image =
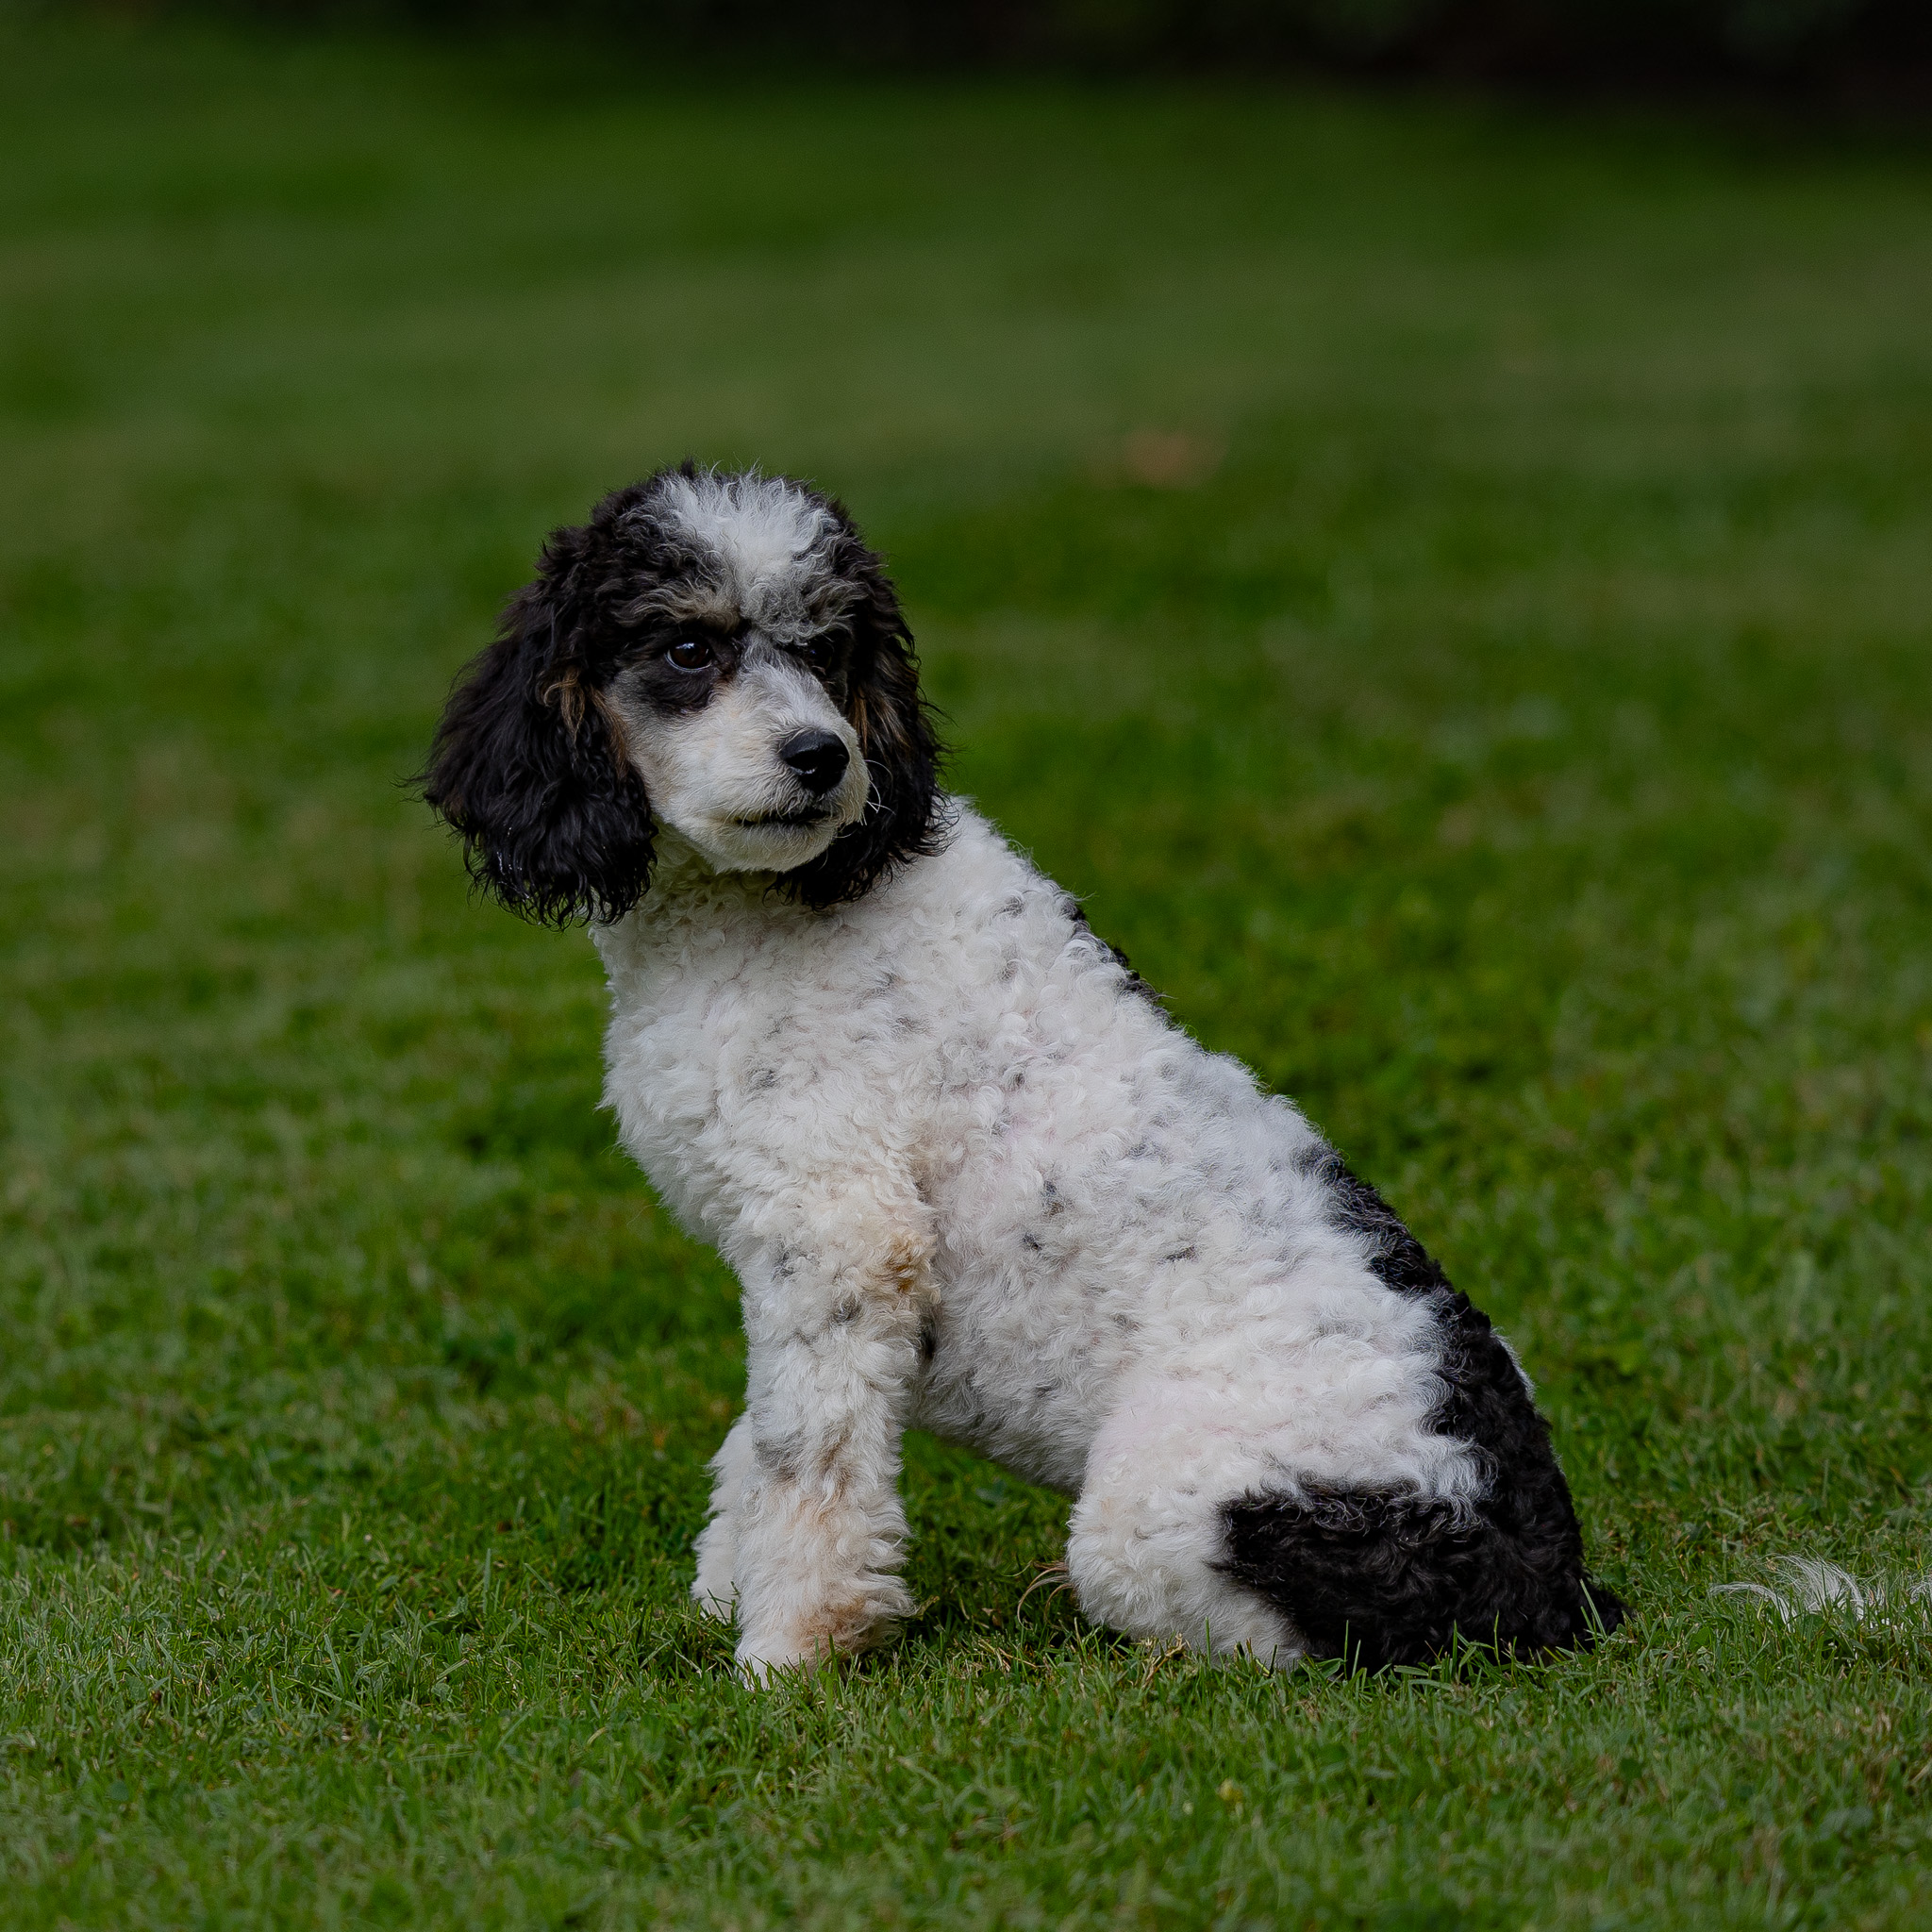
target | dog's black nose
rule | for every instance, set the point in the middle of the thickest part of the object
(819, 757)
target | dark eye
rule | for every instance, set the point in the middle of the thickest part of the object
(819, 653)
(690, 654)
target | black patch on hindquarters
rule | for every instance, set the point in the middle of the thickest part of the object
(1387, 1577)
(1382, 1578)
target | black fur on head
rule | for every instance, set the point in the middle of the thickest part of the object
(529, 762)
(879, 693)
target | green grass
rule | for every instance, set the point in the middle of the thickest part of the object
(1512, 736)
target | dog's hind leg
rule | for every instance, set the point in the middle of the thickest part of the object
(1198, 1522)
(1385, 1577)
(1147, 1546)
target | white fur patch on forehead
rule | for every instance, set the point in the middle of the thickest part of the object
(766, 544)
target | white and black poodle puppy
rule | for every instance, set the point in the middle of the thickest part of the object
(970, 1175)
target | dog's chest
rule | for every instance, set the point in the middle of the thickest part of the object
(745, 1052)
(1093, 1178)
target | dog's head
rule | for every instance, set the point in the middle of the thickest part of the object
(720, 652)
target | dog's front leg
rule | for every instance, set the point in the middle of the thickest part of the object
(834, 1313)
(715, 1585)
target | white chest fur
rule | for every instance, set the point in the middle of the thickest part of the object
(1099, 1193)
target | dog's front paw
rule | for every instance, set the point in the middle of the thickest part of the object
(855, 1622)
(759, 1663)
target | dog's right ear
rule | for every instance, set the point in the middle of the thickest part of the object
(527, 764)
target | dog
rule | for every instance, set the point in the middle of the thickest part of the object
(970, 1175)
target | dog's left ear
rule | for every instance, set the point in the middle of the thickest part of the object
(903, 818)
(527, 763)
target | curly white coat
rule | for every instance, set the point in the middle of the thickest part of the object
(973, 1179)
(970, 1175)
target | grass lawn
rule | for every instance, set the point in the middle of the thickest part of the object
(1448, 583)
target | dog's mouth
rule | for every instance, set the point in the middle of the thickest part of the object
(785, 821)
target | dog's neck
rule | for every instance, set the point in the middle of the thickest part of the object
(684, 884)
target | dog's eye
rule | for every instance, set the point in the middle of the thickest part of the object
(819, 653)
(690, 654)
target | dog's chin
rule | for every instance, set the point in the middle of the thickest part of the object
(775, 842)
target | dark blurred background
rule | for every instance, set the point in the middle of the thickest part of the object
(1877, 49)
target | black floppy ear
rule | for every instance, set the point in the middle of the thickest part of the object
(527, 764)
(905, 816)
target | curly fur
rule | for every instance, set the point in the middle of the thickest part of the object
(970, 1175)
(528, 763)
